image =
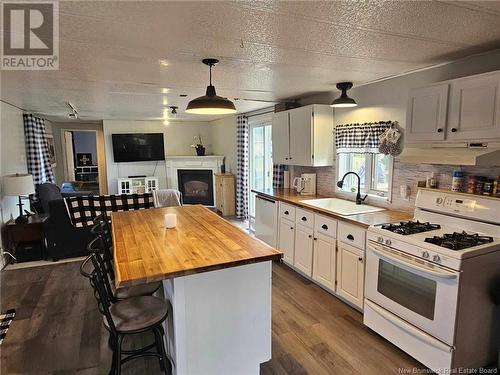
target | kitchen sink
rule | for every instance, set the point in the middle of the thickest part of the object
(341, 206)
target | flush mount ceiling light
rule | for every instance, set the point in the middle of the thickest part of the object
(210, 103)
(344, 101)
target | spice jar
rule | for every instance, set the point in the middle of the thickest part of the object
(488, 187)
(457, 181)
(479, 187)
(471, 184)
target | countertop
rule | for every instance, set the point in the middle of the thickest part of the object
(363, 220)
(145, 251)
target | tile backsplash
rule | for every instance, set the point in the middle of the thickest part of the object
(404, 174)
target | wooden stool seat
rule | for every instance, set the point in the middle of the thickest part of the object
(135, 291)
(137, 314)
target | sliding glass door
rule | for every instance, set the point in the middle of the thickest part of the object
(261, 162)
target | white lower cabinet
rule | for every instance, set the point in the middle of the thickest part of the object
(324, 261)
(350, 273)
(287, 240)
(303, 249)
(309, 245)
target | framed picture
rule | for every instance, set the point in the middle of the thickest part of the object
(52, 150)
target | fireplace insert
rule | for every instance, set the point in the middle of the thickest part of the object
(196, 186)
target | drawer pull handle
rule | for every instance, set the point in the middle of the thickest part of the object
(324, 226)
(315, 239)
(350, 237)
(304, 218)
(440, 130)
(291, 228)
(453, 130)
(310, 236)
(360, 259)
(286, 213)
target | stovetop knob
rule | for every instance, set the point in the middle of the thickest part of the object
(380, 239)
(388, 242)
(425, 254)
(436, 258)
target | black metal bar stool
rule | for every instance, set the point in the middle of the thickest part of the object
(128, 317)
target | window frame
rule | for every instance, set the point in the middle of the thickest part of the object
(373, 194)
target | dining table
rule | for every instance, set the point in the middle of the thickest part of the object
(216, 277)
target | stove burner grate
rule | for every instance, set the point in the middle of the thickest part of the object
(410, 227)
(459, 241)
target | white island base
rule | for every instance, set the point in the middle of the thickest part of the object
(220, 321)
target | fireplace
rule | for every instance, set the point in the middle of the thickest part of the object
(196, 186)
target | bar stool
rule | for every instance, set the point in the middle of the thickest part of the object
(98, 246)
(129, 317)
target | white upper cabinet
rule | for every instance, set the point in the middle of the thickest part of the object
(304, 136)
(281, 137)
(426, 113)
(460, 110)
(474, 108)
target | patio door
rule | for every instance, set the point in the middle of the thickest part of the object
(261, 163)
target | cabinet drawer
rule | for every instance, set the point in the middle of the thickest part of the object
(287, 211)
(325, 225)
(352, 235)
(305, 218)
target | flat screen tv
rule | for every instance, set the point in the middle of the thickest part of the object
(138, 147)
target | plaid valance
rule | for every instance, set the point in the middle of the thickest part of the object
(83, 210)
(360, 137)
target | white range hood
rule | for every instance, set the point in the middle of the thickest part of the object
(455, 155)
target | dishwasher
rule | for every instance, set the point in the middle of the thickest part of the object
(266, 220)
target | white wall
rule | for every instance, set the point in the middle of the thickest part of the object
(223, 134)
(178, 138)
(13, 154)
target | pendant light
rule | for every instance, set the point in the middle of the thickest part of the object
(210, 103)
(344, 101)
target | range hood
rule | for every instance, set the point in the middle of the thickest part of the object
(453, 155)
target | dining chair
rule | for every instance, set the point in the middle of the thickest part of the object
(127, 318)
(98, 245)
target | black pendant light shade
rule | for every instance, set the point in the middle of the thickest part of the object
(210, 103)
(344, 101)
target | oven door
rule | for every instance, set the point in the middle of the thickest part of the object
(422, 293)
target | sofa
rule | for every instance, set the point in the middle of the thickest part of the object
(63, 240)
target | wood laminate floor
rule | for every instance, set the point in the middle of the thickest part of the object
(58, 330)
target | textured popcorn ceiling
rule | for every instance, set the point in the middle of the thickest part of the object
(111, 51)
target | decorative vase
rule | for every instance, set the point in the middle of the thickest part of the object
(200, 150)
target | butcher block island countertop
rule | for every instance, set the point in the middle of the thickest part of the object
(363, 220)
(145, 251)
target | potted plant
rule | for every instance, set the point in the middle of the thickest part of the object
(198, 146)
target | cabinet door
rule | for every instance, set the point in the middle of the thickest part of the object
(301, 136)
(324, 260)
(281, 138)
(287, 240)
(303, 249)
(474, 108)
(350, 273)
(426, 113)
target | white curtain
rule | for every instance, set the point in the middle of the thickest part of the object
(242, 166)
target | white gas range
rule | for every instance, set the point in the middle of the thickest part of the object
(428, 281)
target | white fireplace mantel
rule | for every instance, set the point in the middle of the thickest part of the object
(208, 162)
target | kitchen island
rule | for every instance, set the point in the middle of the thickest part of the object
(216, 277)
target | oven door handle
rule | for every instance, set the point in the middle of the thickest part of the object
(415, 332)
(379, 250)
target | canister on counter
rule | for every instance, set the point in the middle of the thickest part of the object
(471, 184)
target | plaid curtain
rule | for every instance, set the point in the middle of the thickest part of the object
(361, 138)
(37, 150)
(242, 152)
(278, 176)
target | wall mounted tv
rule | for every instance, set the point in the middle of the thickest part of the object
(138, 147)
